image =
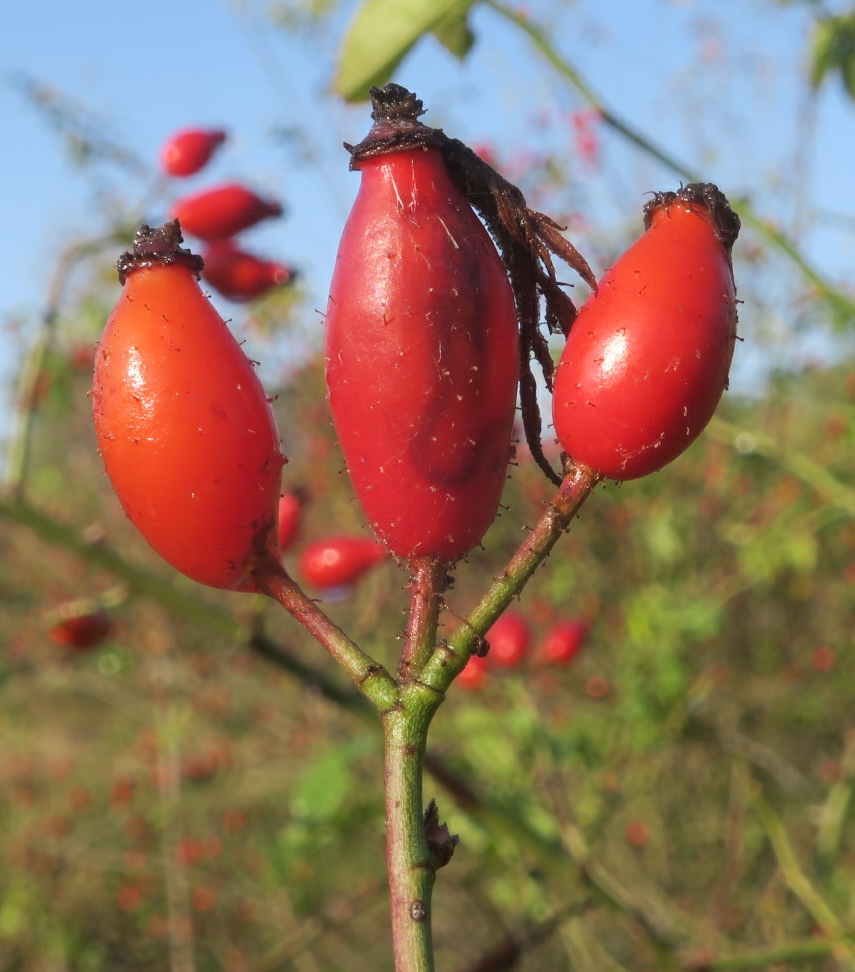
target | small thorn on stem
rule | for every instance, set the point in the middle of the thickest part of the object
(440, 842)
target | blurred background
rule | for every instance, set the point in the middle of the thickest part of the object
(186, 782)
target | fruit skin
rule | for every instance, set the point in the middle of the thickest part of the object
(223, 211)
(339, 560)
(82, 631)
(648, 356)
(239, 275)
(189, 150)
(422, 358)
(186, 432)
(509, 639)
(563, 642)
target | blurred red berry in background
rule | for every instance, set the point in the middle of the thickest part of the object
(189, 150)
(239, 275)
(336, 561)
(81, 631)
(473, 675)
(563, 642)
(290, 514)
(509, 639)
(224, 211)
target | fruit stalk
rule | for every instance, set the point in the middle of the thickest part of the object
(426, 587)
(370, 678)
(452, 655)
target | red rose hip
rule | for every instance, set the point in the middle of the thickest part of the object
(185, 429)
(422, 355)
(648, 356)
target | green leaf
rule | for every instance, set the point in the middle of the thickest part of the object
(324, 786)
(455, 35)
(847, 71)
(822, 50)
(382, 33)
(322, 790)
(833, 50)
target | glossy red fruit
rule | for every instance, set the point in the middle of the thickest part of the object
(563, 642)
(188, 151)
(648, 357)
(82, 631)
(185, 429)
(509, 639)
(339, 560)
(290, 515)
(224, 211)
(238, 275)
(473, 674)
(422, 356)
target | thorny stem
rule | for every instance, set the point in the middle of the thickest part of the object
(410, 863)
(578, 483)
(426, 589)
(407, 708)
(367, 675)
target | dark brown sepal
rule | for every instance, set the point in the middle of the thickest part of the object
(158, 248)
(396, 126)
(725, 223)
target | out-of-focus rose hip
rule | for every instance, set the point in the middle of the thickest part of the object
(223, 211)
(239, 275)
(189, 150)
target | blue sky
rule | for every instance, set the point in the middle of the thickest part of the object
(719, 84)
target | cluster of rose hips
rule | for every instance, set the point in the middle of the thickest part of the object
(217, 215)
(431, 333)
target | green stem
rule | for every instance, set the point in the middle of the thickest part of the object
(409, 865)
(368, 675)
(776, 956)
(797, 881)
(451, 657)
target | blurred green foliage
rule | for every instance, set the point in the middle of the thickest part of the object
(171, 796)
